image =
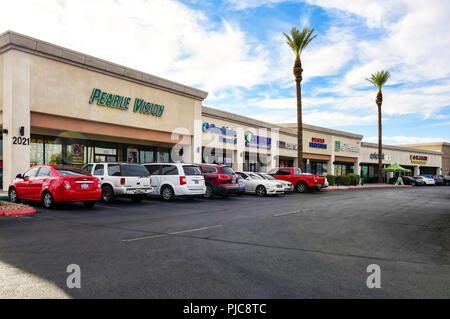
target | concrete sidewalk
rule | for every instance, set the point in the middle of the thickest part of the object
(366, 186)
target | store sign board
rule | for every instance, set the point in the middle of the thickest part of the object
(257, 141)
(346, 147)
(120, 102)
(418, 159)
(385, 157)
(286, 145)
(317, 143)
(227, 135)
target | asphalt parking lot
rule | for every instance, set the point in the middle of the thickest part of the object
(313, 245)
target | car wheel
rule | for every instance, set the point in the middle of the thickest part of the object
(12, 195)
(48, 200)
(107, 194)
(137, 199)
(89, 204)
(413, 183)
(167, 193)
(301, 187)
(261, 191)
(209, 191)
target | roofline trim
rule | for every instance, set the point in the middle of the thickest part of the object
(400, 148)
(10, 40)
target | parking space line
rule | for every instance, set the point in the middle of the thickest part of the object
(173, 233)
(285, 214)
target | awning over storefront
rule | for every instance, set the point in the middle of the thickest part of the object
(346, 159)
(316, 157)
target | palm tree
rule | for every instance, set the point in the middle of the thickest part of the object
(298, 41)
(379, 79)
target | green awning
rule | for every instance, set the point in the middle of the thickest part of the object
(396, 168)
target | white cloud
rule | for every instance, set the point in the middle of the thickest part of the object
(161, 37)
(245, 4)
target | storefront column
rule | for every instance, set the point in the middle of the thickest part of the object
(416, 171)
(197, 137)
(16, 114)
(331, 165)
(357, 167)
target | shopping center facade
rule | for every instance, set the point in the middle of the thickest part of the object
(62, 106)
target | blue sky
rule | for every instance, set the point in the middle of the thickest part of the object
(234, 49)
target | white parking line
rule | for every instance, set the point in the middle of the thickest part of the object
(284, 214)
(174, 233)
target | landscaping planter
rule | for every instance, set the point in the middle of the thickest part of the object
(8, 209)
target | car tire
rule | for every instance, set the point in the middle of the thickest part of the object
(261, 191)
(89, 204)
(167, 193)
(209, 191)
(413, 183)
(47, 200)
(301, 187)
(137, 198)
(107, 194)
(12, 195)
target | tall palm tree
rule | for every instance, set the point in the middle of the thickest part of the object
(298, 41)
(379, 79)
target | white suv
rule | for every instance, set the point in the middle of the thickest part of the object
(121, 180)
(176, 179)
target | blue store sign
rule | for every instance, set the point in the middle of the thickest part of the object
(227, 135)
(257, 141)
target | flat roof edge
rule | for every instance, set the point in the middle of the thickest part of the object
(247, 120)
(13, 40)
(401, 148)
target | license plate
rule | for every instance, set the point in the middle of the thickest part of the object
(139, 191)
(196, 182)
(84, 186)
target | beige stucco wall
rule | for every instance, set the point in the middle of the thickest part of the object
(400, 157)
(63, 89)
(1, 85)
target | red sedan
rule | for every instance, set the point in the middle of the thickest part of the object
(52, 184)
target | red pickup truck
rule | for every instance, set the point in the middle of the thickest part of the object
(302, 182)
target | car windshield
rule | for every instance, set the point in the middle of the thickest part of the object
(134, 170)
(71, 171)
(267, 176)
(191, 170)
(254, 176)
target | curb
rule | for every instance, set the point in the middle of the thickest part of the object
(366, 187)
(17, 213)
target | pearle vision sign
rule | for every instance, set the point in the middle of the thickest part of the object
(122, 103)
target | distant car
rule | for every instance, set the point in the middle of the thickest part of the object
(445, 179)
(219, 180)
(52, 184)
(427, 180)
(170, 180)
(409, 180)
(121, 180)
(302, 182)
(438, 179)
(260, 186)
(288, 187)
(241, 185)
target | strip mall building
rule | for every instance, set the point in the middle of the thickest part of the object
(62, 106)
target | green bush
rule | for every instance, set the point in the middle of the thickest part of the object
(331, 179)
(354, 179)
(344, 180)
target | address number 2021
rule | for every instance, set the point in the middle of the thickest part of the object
(21, 140)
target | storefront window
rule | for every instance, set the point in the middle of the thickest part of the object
(163, 155)
(37, 151)
(146, 156)
(53, 151)
(105, 152)
(74, 154)
(343, 169)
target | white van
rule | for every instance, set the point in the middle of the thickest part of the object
(170, 180)
(121, 180)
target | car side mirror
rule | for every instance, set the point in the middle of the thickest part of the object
(19, 176)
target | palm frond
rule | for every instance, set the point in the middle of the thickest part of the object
(379, 79)
(299, 40)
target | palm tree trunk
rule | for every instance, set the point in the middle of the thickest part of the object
(298, 79)
(380, 134)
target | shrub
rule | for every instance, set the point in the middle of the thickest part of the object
(331, 179)
(344, 180)
(354, 179)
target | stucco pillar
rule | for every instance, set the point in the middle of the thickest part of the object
(197, 137)
(240, 148)
(416, 170)
(16, 113)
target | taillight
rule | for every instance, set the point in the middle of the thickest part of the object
(67, 185)
(222, 176)
(182, 180)
(122, 181)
